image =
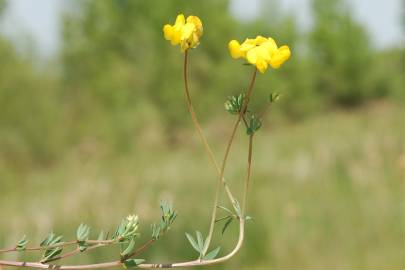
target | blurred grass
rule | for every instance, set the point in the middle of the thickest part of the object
(328, 192)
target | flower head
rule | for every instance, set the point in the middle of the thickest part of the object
(185, 32)
(260, 52)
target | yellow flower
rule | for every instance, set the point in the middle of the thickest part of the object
(260, 52)
(185, 32)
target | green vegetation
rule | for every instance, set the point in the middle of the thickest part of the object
(327, 191)
(103, 131)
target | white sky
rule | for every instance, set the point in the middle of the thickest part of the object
(40, 19)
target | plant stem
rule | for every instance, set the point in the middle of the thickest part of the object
(143, 265)
(198, 262)
(227, 151)
(200, 131)
(62, 244)
(249, 175)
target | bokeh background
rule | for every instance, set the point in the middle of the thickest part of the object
(93, 126)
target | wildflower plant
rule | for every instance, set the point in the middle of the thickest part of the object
(261, 53)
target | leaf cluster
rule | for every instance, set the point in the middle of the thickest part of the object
(168, 217)
(234, 104)
(53, 251)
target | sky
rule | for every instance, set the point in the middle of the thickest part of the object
(40, 19)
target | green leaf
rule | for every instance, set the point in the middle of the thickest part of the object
(132, 263)
(237, 208)
(21, 245)
(234, 104)
(200, 241)
(129, 248)
(47, 240)
(247, 218)
(50, 254)
(274, 97)
(156, 231)
(83, 232)
(101, 236)
(212, 254)
(226, 225)
(255, 124)
(50, 240)
(193, 242)
(225, 209)
(222, 218)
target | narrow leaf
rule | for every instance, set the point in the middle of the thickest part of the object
(200, 240)
(212, 254)
(225, 209)
(129, 248)
(101, 236)
(226, 225)
(192, 242)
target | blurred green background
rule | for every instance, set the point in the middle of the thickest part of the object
(101, 130)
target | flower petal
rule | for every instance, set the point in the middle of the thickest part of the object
(180, 20)
(280, 56)
(168, 31)
(234, 49)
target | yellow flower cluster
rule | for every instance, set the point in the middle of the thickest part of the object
(187, 33)
(260, 52)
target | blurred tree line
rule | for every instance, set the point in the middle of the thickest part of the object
(116, 82)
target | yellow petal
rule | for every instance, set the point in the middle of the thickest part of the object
(260, 39)
(168, 31)
(247, 45)
(234, 49)
(187, 31)
(261, 65)
(270, 45)
(197, 23)
(280, 56)
(252, 56)
(180, 20)
(176, 37)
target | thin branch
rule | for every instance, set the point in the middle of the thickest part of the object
(143, 265)
(249, 175)
(227, 151)
(200, 131)
(61, 244)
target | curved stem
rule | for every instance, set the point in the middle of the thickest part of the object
(200, 131)
(198, 262)
(143, 265)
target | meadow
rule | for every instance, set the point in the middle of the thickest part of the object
(327, 193)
